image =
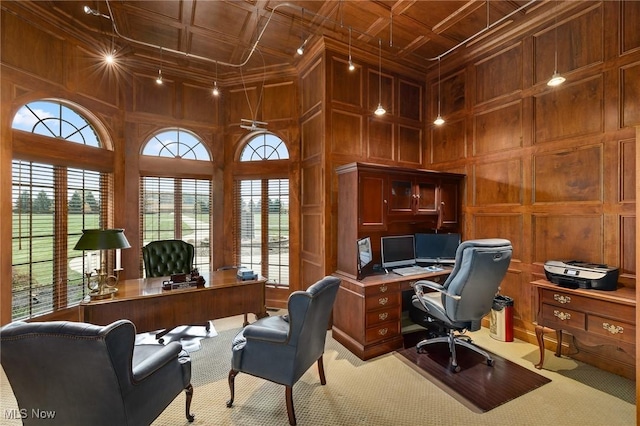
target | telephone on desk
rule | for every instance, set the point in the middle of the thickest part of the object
(192, 279)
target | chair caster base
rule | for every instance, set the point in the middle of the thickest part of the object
(455, 368)
(490, 362)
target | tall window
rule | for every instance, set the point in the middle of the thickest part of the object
(176, 207)
(262, 213)
(52, 204)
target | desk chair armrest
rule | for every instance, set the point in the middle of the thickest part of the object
(155, 361)
(419, 287)
(267, 334)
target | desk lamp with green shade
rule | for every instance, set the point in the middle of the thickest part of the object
(102, 285)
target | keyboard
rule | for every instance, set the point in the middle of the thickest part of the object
(410, 270)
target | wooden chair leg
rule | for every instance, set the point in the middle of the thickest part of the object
(232, 377)
(290, 411)
(323, 380)
(189, 391)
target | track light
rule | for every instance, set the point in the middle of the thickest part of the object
(439, 121)
(159, 77)
(380, 110)
(109, 57)
(300, 50)
(216, 91)
(90, 11)
(351, 66)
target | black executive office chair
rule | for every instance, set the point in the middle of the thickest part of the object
(163, 258)
(466, 296)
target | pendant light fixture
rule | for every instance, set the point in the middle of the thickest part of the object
(380, 110)
(159, 77)
(351, 66)
(216, 91)
(439, 121)
(556, 78)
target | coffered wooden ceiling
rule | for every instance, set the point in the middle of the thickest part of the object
(264, 34)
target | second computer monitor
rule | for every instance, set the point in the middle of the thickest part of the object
(397, 250)
(436, 248)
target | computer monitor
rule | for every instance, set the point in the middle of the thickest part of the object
(397, 250)
(436, 248)
(365, 254)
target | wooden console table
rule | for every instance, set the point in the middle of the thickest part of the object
(149, 307)
(367, 314)
(596, 317)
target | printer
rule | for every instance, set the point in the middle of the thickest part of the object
(576, 274)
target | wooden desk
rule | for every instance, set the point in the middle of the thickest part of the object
(149, 307)
(367, 314)
(596, 317)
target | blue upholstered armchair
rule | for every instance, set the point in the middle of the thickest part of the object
(282, 348)
(91, 375)
(465, 297)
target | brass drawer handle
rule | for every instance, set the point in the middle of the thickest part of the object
(383, 300)
(613, 329)
(562, 315)
(383, 316)
(562, 299)
(383, 331)
(383, 288)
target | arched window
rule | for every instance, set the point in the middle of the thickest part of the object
(262, 212)
(52, 204)
(177, 207)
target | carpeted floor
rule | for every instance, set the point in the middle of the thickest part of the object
(386, 391)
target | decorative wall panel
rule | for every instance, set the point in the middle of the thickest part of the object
(274, 106)
(410, 100)
(387, 83)
(92, 79)
(153, 99)
(199, 104)
(498, 183)
(630, 95)
(627, 161)
(630, 18)
(574, 175)
(410, 145)
(311, 238)
(346, 133)
(499, 75)
(449, 142)
(562, 237)
(628, 246)
(346, 86)
(495, 225)
(569, 110)
(381, 141)
(241, 104)
(498, 129)
(312, 131)
(312, 87)
(311, 191)
(452, 92)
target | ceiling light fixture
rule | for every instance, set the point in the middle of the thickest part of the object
(556, 78)
(300, 50)
(439, 121)
(216, 91)
(90, 11)
(380, 110)
(351, 66)
(159, 77)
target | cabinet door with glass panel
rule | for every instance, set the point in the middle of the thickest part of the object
(412, 195)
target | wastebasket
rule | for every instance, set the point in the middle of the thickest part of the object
(501, 322)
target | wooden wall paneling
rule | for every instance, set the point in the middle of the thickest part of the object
(499, 75)
(278, 102)
(312, 90)
(629, 18)
(498, 129)
(312, 133)
(386, 82)
(501, 225)
(199, 104)
(453, 94)
(346, 133)
(410, 100)
(410, 146)
(311, 174)
(381, 143)
(568, 236)
(627, 171)
(91, 77)
(448, 143)
(46, 49)
(241, 103)
(573, 109)
(627, 233)
(569, 175)
(346, 86)
(630, 79)
(149, 97)
(498, 183)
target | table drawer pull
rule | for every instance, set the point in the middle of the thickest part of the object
(562, 299)
(613, 329)
(383, 316)
(383, 300)
(562, 316)
(383, 331)
(383, 288)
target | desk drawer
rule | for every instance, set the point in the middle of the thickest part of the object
(382, 331)
(611, 328)
(614, 310)
(384, 300)
(391, 313)
(560, 317)
(383, 288)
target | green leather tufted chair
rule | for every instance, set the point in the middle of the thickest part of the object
(165, 257)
